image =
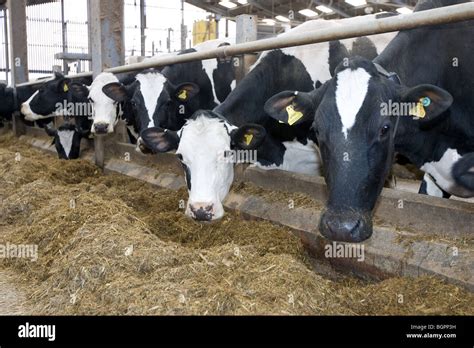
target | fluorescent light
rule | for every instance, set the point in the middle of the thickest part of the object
(268, 21)
(404, 10)
(324, 9)
(243, 2)
(282, 19)
(227, 4)
(356, 3)
(308, 13)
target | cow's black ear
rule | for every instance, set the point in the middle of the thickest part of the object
(79, 91)
(337, 53)
(159, 139)
(116, 91)
(186, 91)
(248, 137)
(428, 101)
(291, 107)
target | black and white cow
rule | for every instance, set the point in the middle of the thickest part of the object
(241, 123)
(61, 96)
(353, 118)
(164, 98)
(9, 102)
(67, 139)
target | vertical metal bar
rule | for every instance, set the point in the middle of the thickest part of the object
(7, 49)
(183, 28)
(246, 32)
(19, 52)
(64, 37)
(143, 27)
(108, 50)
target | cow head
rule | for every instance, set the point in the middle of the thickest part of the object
(355, 119)
(140, 100)
(67, 139)
(202, 145)
(43, 103)
(176, 103)
(105, 110)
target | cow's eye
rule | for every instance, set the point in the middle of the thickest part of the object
(384, 130)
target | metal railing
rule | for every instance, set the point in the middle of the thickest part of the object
(444, 15)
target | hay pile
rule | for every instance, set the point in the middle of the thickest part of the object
(115, 245)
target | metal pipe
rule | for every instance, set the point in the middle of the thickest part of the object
(7, 49)
(41, 81)
(64, 37)
(448, 14)
(143, 27)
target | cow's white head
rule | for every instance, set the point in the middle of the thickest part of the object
(105, 111)
(203, 145)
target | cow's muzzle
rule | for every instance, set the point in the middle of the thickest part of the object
(349, 227)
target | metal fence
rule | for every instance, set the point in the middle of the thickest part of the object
(52, 28)
(4, 59)
(49, 35)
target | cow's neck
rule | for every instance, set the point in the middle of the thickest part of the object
(407, 55)
(276, 72)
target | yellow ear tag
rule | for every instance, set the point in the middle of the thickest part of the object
(293, 115)
(183, 95)
(248, 138)
(65, 88)
(419, 110)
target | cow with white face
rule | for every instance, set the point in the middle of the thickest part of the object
(208, 168)
(241, 123)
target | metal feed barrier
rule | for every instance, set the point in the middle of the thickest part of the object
(385, 254)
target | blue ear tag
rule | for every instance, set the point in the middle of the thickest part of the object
(426, 101)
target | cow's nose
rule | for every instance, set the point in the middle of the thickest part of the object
(344, 227)
(101, 128)
(202, 211)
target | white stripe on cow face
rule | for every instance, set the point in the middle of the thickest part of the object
(65, 139)
(151, 86)
(351, 90)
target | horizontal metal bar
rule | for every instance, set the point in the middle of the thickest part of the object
(41, 81)
(448, 14)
